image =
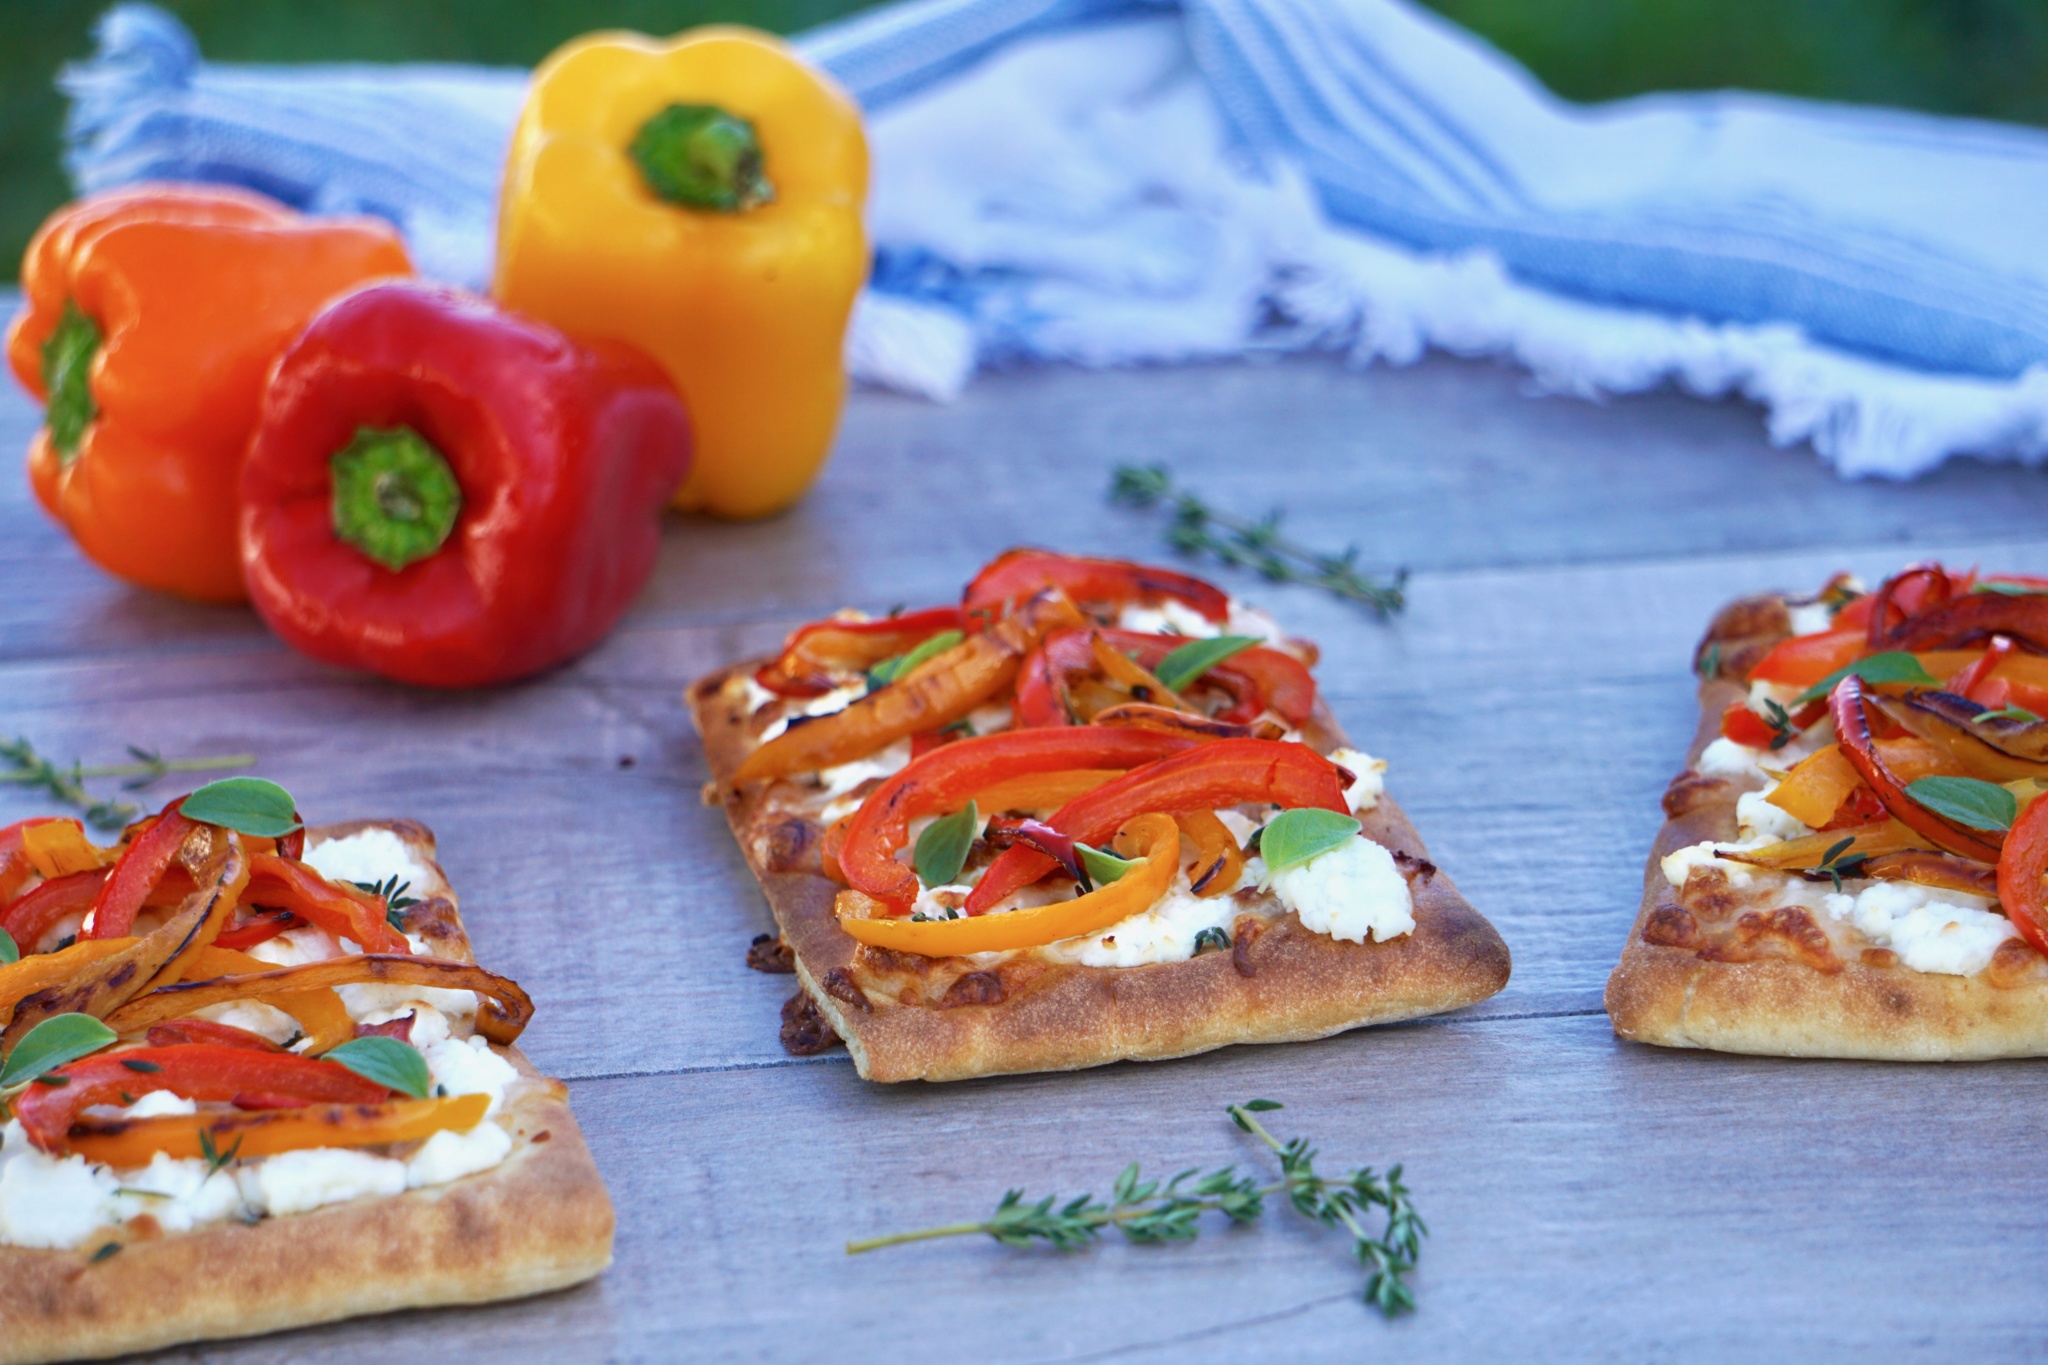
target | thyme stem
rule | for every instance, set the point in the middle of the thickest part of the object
(1155, 1211)
(67, 784)
(1240, 542)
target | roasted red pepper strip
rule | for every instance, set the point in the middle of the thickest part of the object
(1745, 726)
(1970, 619)
(261, 926)
(149, 855)
(284, 884)
(199, 1071)
(1972, 676)
(1852, 731)
(44, 907)
(1016, 574)
(948, 777)
(815, 656)
(1804, 660)
(451, 495)
(1256, 678)
(1208, 778)
(2021, 865)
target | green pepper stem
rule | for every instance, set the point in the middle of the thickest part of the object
(701, 157)
(67, 380)
(395, 498)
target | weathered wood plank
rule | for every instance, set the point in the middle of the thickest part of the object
(1588, 1200)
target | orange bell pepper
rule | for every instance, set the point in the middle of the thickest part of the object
(1153, 838)
(149, 321)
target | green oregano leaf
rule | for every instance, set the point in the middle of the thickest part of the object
(1197, 657)
(1103, 868)
(388, 1062)
(8, 951)
(1892, 666)
(1293, 837)
(942, 848)
(1967, 801)
(57, 1040)
(2019, 713)
(248, 805)
(2010, 589)
(896, 666)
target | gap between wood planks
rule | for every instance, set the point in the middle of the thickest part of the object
(838, 1056)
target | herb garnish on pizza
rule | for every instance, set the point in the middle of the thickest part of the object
(1097, 811)
(1853, 861)
(254, 1079)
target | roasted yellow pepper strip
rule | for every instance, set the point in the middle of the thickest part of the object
(1153, 838)
(699, 198)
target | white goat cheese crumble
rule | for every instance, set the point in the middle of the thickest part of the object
(1352, 891)
(1931, 929)
(1365, 793)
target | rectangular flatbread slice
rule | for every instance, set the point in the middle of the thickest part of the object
(906, 1017)
(537, 1220)
(1748, 959)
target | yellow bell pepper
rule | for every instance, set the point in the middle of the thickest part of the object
(700, 199)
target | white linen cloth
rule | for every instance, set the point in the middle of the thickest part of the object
(1115, 182)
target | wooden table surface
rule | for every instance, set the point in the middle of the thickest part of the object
(1587, 1198)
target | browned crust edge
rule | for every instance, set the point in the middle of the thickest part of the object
(540, 1221)
(1776, 1007)
(1302, 985)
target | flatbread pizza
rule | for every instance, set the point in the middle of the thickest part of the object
(1097, 811)
(1853, 857)
(256, 1082)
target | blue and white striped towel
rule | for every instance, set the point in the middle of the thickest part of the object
(1139, 181)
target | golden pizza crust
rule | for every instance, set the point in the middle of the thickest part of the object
(1780, 1007)
(539, 1221)
(1286, 984)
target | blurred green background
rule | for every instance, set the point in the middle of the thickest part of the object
(1981, 57)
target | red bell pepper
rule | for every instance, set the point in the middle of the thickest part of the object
(1256, 678)
(182, 1032)
(1852, 732)
(1016, 574)
(142, 865)
(815, 654)
(451, 495)
(948, 777)
(284, 884)
(1969, 680)
(1225, 773)
(2021, 865)
(1804, 660)
(198, 1071)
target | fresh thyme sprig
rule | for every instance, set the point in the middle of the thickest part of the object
(30, 769)
(1199, 529)
(1834, 866)
(392, 892)
(1152, 1211)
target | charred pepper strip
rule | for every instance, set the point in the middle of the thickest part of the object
(1017, 574)
(1852, 731)
(1256, 678)
(1215, 775)
(947, 778)
(199, 1071)
(42, 908)
(287, 1130)
(2021, 865)
(503, 1008)
(937, 692)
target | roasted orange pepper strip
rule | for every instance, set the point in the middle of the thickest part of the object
(318, 1011)
(59, 848)
(1219, 862)
(1816, 787)
(1154, 839)
(20, 980)
(281, 1130)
